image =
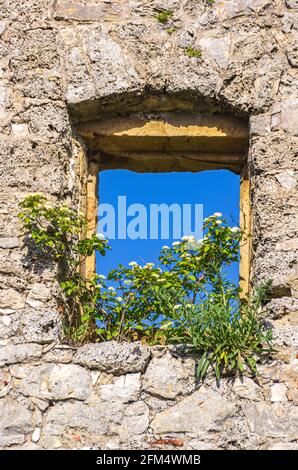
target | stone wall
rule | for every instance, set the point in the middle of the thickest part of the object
(66, 62)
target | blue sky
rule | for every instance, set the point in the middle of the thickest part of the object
(217, 190)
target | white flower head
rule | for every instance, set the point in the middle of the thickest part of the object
(133, 263)
(149, 265)
(119, 299)
(187, 238)
(217, 214)
(235, 229)
(175, 243)
(218, 222)
(101, 276)
(194, 244)
(111, 288)
(177, 306)
(101, 236)
(165, 247)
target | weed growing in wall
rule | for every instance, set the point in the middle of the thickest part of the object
(193, 52)
(164, 16)
(185, 298)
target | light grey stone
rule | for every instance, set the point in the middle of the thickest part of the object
(233, 8)
(217, 48)
(56, 382)
(168, 377)
(16, 353)
(41, 326)
(247, 388)
(287, 179)
(125, 388)
(278, 420)
(42, 405)
(286, 118)
(20, 131)
(278, 393)
(97, 418)
(113, 357)
(259, 125)
(203, 411)
(12, 299)
(283, 446)
(6, 320)
(8, 243)
(2, 27)
(38, 295)
(36, 435)
(15, 422)
(136, 420)
(58, 354)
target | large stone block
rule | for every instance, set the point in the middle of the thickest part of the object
(280, 421)
(15, 422)
(203, 411)
(125, 389)
(168, 377)
(55, 382)
(113, 357)
(97, 418)
(12, 299)
(19, 353)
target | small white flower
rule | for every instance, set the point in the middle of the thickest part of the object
(187, 238)
(218, 222)
(177, 306)
(165, 247)
(235, 229)
(99, 286)
(101, 276)
(101, 236)
(111, 288)
(149, 265)
(119, 299)
(217, 214)
(175, 243)
(132, 263)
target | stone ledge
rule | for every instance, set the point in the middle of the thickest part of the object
(112, 357)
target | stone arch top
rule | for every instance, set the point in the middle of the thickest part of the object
(119, 60)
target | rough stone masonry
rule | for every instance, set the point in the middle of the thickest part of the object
(65, 62)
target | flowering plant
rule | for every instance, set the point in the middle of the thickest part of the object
(185, 298)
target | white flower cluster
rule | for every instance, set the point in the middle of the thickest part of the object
(101, 236)
(133, 264)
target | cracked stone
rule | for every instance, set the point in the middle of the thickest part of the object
(203, 411)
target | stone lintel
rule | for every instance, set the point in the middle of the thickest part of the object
(167, 132)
